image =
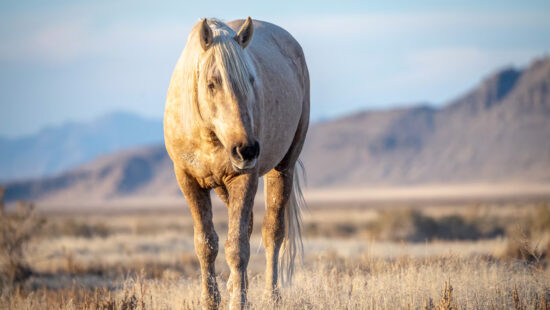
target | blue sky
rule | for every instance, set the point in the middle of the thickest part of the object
(75, 60)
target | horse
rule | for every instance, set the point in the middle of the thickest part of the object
(237, 109)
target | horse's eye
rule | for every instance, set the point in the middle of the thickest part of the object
(211, 86)
(213, 138)
(252, 79)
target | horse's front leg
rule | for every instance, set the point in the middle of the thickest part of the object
(241, 190)
(205, 237)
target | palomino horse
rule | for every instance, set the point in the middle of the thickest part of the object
(237, 109)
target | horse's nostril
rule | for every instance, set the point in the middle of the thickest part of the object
(246, 152)
(235, 152)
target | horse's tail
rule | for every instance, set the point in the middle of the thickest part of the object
(292, 243)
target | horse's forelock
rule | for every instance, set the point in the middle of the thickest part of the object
(230, 59)
(227, 57)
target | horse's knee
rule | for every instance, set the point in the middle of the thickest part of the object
(237, 253)
(206, 245)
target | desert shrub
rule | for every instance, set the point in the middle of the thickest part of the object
(403, 225)
(345, 229)
(311, 229)
(489, 227)
(525, 246)
(413, 226)
(75, 228)
(529, 239)
(539, 222)
(151, 228)
(456, 227)
(16, 230)
(525, 250)
(332, 230)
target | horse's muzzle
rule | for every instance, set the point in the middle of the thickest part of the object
(243, 156)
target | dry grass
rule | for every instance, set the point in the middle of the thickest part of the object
(330, 282)
(445, 257)
(16, 230)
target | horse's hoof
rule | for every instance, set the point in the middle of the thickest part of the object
(211, 301)
(210, 304)
(272, 295)
(238, 302)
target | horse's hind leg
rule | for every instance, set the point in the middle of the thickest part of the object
(278, 188)
(205, 237)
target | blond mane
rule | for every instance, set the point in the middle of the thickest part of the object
(227, 56)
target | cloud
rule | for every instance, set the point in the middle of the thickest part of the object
(68, 41)
(372, 25)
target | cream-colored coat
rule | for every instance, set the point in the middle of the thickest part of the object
(214, 112)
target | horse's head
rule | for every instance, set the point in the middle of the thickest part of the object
(226, 90)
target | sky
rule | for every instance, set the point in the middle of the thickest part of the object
(77, 60)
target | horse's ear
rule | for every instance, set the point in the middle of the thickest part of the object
(205, 35)
(244, 36)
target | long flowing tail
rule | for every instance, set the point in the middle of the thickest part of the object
(292, 244)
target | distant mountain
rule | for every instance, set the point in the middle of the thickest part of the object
(55, 149)
(146, 170)
(497, 132)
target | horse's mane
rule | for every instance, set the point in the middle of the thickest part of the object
(226, 55)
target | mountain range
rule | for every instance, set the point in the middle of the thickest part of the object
(56, 149)
(498, 132)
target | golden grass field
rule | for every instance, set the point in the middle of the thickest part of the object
(400, 255)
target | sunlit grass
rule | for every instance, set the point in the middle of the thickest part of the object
(373, 260)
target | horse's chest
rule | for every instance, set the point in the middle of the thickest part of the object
(209, 169)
